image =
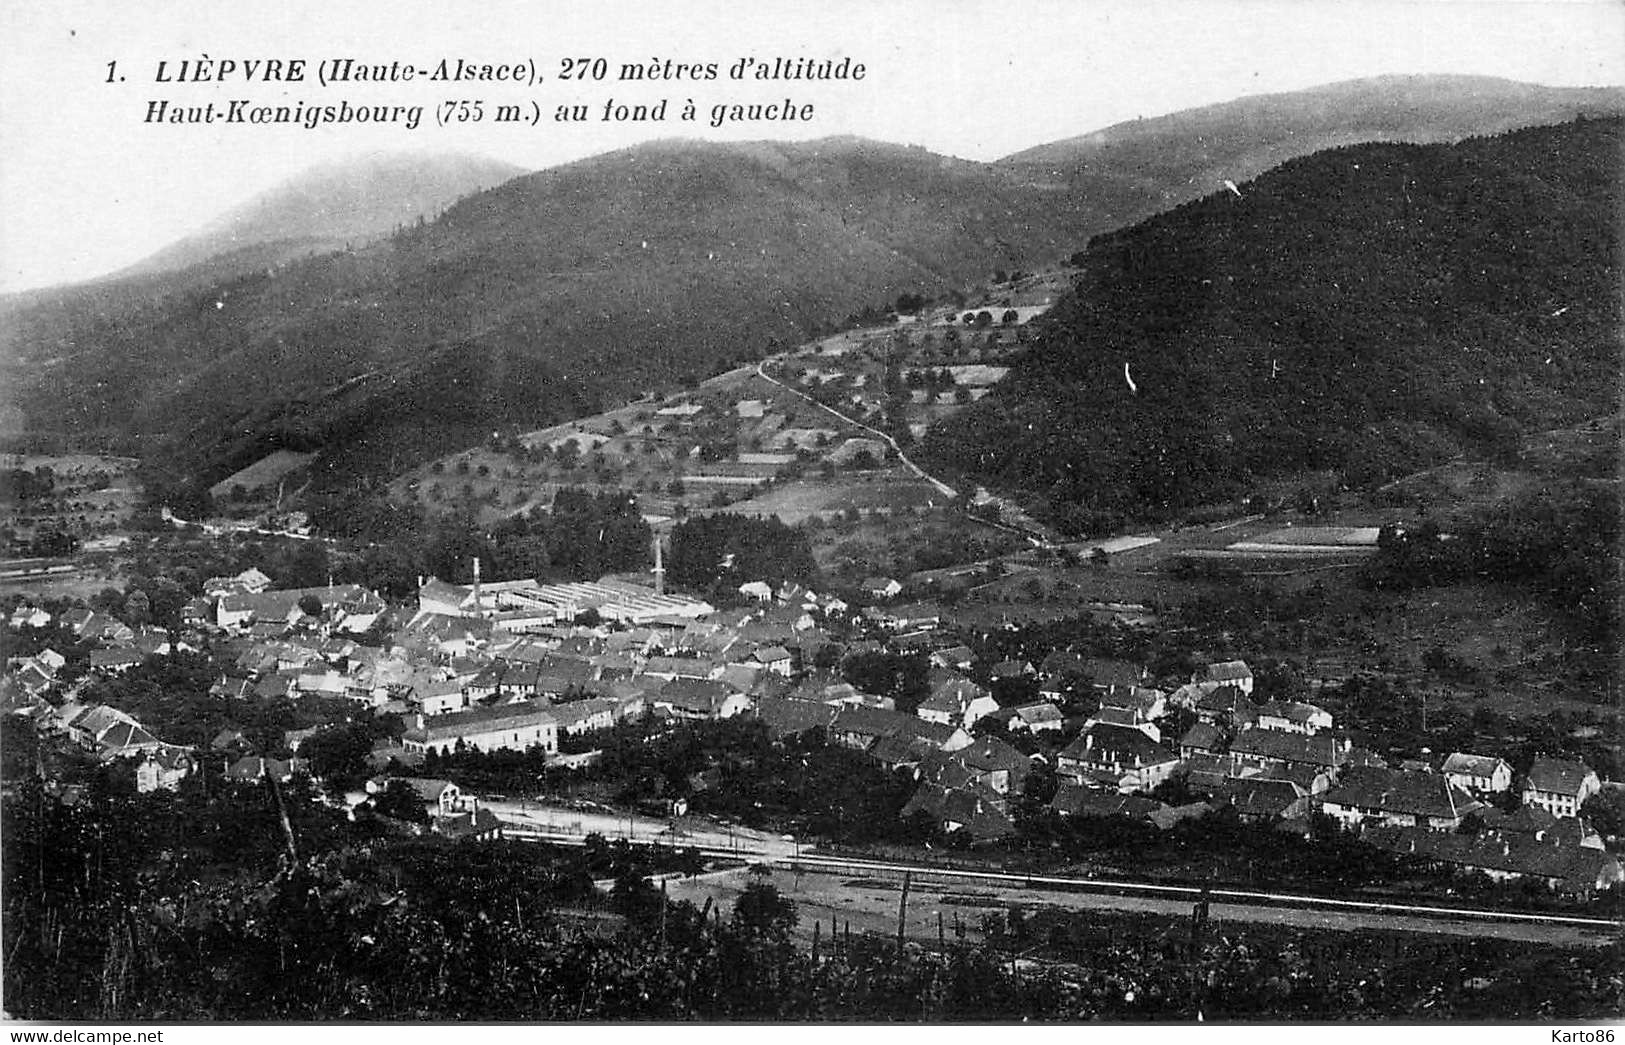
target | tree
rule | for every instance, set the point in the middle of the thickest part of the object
(398, 801)
(762, 911)
(137, 608)
(310, 605)
(338, 755)
(1606, 811)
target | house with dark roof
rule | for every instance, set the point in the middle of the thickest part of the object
(513, 727)
(986, 761)
(976, 811)
(1261, 800)
(439, 797)
(1535, 824)
(1262, 747)
(345, 607)
(585, 716)
(163, 769)
(788, 717)
(880, 587)
(957, 702)
(1202, 739)
(1225, 706)
(1558, 786)
(681, 668)
(88, 725)
(1395, 798)
(1077, 800)
(1107, 675)
(127, 740)
(1229, 672)
(687, 698)
(1113, 716)
(860, 727)
(913, 616)
(909, 751)
(476, 825)
(1292, 716)
(773, 658)
(1483, 774)
(1116, 757)
(1038, 717)
(1569, 869)
(115, 661)
(1142, 703)
(33, 677)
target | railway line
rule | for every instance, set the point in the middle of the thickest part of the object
(1265, 905)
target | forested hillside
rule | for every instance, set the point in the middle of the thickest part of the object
(557, 292)
(533, 302)
(1369, 309)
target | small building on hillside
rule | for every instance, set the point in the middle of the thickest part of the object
(1229, 672)
(881, 587)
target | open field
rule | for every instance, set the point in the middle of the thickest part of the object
(270, 469)
(795, 502)
(91, 494)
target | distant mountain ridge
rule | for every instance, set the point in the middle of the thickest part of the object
(1139, 167)
(335, 204)
(556, 292)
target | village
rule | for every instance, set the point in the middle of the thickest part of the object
(550, 668)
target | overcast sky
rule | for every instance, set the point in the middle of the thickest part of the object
(87, 188)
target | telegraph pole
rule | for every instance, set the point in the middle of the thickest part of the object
(902, 909)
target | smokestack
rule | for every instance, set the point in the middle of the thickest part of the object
(478, 610)
(660, 569)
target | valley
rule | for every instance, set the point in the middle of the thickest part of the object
(567, 603)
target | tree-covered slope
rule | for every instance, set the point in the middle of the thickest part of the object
(535, 301)
(1366, 309)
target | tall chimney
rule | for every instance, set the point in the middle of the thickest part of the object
(478, 609)
(660, 569)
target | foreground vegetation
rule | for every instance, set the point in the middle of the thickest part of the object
(201, 906)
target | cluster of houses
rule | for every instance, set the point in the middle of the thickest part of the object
(1274, 762)
(466, 673)
(108, 734)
